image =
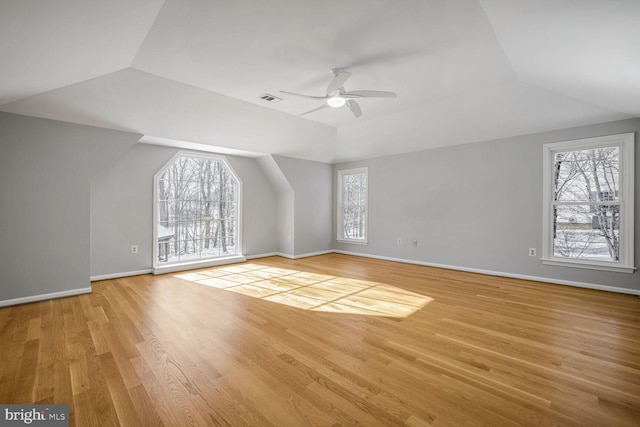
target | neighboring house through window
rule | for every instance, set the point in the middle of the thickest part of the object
(588, 203)
(352, 213)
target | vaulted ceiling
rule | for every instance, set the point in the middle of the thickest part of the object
(194, 70)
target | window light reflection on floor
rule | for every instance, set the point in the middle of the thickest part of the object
(311, 291)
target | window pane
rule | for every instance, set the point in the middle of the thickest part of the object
(210, 251)
(354, 189)
(587, 175)
(354, 222)
(196, 211)
(587, 232)
(353, 202)
(188, 210)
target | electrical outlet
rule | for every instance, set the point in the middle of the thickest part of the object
(134, 249)
(398, 241)
(532, 251)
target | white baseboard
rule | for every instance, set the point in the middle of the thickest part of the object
(73, 292)
(263, 255)
(119, 275)
(501, 274)
(283, 255)
(200, 264)
(314, 254)
(289, 256)
(182, 267)
(42, 297)
(310, 254)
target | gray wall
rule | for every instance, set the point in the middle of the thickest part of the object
(286, 223)
(285, 226)
(75, 198)
(122, 210)
(312, 184)
(259, 208)
(45, 172)
(476, 206)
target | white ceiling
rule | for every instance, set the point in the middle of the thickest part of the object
(193, 70)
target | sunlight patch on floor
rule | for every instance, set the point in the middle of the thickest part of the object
(311, 291)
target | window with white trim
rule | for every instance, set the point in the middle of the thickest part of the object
(588, 203)
(353, 187)
(196, 210)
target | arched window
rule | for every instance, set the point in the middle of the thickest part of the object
(196, 210)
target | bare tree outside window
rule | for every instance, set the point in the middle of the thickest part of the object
(352, 209)
(355, 190)
(586, 208)
(197, 210)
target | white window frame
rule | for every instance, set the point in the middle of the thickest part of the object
(625, 142)
(161, 268)
(340, 222)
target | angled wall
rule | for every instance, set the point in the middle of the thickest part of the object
(45, 172)
(312, 188)
(285, 226)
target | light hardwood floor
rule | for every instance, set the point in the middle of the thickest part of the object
(328, 340)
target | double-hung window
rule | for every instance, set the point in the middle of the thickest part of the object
(588, 203)
(353, 217)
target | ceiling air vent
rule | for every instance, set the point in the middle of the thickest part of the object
(270, 98)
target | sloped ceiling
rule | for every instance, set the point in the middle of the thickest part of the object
(193, 70)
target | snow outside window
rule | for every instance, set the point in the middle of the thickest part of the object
(588, 203)
(196, 210)
(353, 189)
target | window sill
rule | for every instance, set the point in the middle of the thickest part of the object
(192, 265)
(588, 265)
(352, 242)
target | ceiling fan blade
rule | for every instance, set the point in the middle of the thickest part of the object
(354, 107)
(323, 106)
(369, 94)
(338, 81)
(304, 96)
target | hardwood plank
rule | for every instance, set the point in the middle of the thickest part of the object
(124, 406)
(327, 340)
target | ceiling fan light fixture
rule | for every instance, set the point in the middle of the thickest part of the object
(337, 97)
(336, 101)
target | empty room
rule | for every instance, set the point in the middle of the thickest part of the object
(336, 213)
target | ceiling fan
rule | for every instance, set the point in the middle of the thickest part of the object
(337, 97)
